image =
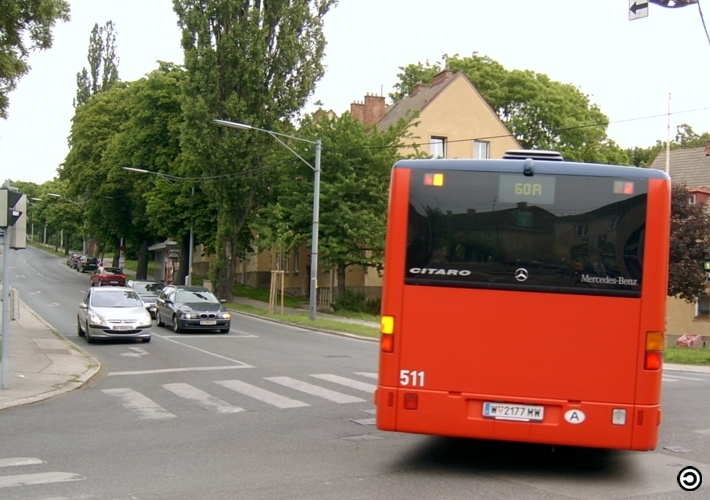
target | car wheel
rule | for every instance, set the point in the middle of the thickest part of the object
(89, 339)
(158, 321)
(79, 331)
(176, 326)
(224, 330)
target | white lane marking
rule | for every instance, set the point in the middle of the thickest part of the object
(145, 408)
(347, 382)
(177, 370)
(201, 398)
(665, 379)
(676, 377)
(314, 390)
(261, 394)
(12, 462)
(45, 478)
(367, 374)
(706, 432)
(239, 335)
(169, 339)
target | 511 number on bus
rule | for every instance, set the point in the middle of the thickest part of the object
(411, 378)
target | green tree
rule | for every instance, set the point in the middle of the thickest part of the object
(539, 112)
(690, 235)
(249, 62)
(107, 212)
(148, 140)
(25, 25)
(103, 64)
(355, 169)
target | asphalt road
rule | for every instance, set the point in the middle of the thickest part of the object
(272, 411)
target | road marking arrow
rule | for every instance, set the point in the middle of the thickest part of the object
(139, 352)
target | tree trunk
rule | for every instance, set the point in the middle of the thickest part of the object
(142, 269)
(226, 272)
(341, 280)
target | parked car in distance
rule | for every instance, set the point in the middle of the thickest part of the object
(70, 259)
(108, 276)
(191, 308)
(113, 312)
(148, 291)
(87, 264)
(74, 260)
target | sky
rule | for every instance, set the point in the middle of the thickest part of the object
(635, 71)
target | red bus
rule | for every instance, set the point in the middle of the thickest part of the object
(524, 300)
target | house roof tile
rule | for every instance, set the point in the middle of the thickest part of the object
(687, 166)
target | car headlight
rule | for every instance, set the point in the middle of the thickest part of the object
(95, 319)
(189, 315)
(224, 315)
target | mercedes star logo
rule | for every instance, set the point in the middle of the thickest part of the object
(521, 274)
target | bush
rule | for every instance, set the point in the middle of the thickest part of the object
(355, 302)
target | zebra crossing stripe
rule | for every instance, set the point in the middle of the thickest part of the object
(137, 402)
(261, 394)
(201, 398)
(15, 462)
(314, 390)
(44, 478)
(347, 382)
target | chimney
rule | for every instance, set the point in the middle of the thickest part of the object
(707, 148)
(374, 109)
(418, 87)
(441, 76)
(357, 109)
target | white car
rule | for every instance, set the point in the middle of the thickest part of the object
(114, 312)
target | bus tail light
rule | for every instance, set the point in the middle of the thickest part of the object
(387, 331)
(411, 401)
(654, 351)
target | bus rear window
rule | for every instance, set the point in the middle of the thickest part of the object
(549, 233)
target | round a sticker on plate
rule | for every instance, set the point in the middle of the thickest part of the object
(574, 416)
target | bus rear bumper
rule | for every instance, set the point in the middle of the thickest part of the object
(565, 423)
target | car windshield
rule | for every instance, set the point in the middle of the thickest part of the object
(116, 298)
(187, 296)
(113, 270)
(148, 287)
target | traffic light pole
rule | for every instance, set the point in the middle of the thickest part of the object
(5, 310)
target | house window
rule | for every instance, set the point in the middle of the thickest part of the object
(702, 307)
(295, 261)
(692, 199)
(581, 230)
(438, 147)
(481, 149)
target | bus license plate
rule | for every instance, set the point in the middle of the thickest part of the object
(208, 322)
(504, 411)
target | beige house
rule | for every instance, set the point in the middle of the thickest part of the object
(692, 168)
(449, 119)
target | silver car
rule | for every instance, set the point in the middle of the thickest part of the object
(114, 312)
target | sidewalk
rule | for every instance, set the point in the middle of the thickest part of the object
(44, 363)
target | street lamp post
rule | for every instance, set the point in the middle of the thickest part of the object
(173, 178)
(316, 199)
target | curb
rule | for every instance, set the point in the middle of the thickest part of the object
(94, 366)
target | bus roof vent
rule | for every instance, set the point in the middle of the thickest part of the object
(523, 154)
